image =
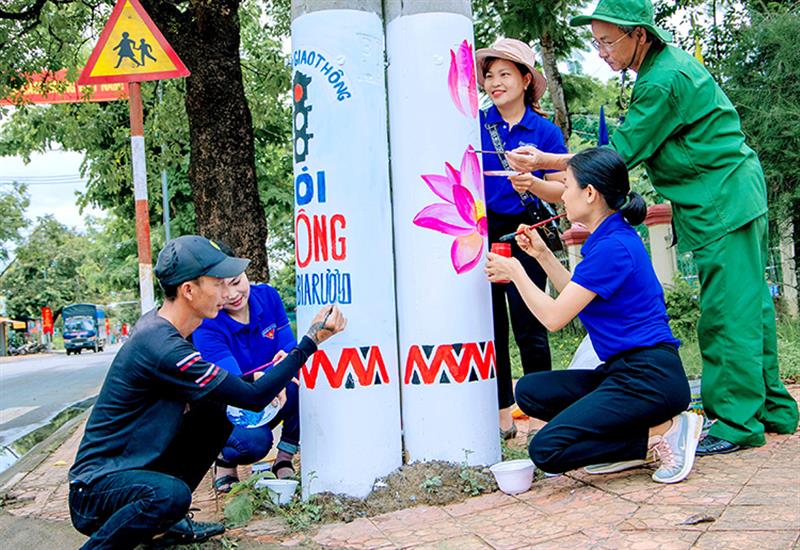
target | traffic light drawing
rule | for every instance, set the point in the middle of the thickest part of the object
(301, 110)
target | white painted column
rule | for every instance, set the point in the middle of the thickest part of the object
(659, 225)
(788, 267)
(447, 356)
(574, 237)
(349, 396)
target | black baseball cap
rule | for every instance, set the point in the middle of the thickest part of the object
(192, 256)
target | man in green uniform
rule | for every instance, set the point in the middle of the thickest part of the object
(687, 133)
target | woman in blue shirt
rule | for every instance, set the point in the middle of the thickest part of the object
(611, 418)
(507, 75)
(252, 330)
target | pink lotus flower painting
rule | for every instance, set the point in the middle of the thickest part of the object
(463, 214)
(461, 80)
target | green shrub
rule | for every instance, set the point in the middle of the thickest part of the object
(683, 307)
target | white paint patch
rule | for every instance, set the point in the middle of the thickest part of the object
(139, 168)
(146, 294)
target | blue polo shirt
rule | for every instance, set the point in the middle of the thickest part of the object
(628, 311)
(533, 129)
(239, 348)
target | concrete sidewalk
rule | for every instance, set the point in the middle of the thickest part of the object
(749, 499)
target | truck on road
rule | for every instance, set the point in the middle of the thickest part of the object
(84, 327)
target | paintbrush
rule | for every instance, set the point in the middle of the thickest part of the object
(510, 236)
(501, 153)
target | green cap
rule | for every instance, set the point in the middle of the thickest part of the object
(625, 13)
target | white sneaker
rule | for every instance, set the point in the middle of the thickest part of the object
(612, 467)
(675, 449)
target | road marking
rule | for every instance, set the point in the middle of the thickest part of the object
(9, 414)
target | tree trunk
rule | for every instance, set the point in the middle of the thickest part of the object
(222, 163)
(555, 85)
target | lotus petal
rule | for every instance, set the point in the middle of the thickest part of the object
(471, 176)
(441, 185)
(466, 251)
(453, 84)
(443, 218)
(465, 204)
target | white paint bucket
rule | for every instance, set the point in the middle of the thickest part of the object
(514, 476)
(280, 490)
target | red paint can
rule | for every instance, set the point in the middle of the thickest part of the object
(502, 249)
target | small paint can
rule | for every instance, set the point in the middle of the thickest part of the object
(502, 249)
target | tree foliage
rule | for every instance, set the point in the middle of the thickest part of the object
(13, 202)
(762, 78)
(56, 265)
(220, 158)
(545, 23)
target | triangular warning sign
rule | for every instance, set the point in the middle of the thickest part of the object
(131, 49)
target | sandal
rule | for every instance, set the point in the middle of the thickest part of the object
(223, 484)
(510, 433)
(281, 464)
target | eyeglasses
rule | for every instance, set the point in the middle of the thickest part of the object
(607, 45)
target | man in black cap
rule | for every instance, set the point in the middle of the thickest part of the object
(159, 420)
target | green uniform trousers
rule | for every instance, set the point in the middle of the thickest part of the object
(741, 385)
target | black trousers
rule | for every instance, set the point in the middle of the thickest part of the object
(603, 415)
(530, 335)
(124, 509)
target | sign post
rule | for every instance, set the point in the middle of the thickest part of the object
(131, 49)
(47, 325)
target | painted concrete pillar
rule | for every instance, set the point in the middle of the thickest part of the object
(447, 357)
(350, 395)
(788, 268)
(574, 237)
(659, 225)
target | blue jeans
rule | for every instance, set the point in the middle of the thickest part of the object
(248, 445)
(123, 509)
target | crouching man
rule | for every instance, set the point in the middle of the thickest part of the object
(159, 421)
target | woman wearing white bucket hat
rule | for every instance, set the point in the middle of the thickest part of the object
(508, 75)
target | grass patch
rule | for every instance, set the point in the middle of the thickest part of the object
(564, 343)
(29, 441)
(789, 350)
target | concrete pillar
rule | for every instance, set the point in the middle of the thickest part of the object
(350, 388)
(659, 226)
(788, 267)
(574, 237)
(447, 357)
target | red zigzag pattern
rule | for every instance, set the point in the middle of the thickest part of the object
(458, 358)
(350, 359)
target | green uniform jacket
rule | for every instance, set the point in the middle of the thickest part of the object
(684, 129)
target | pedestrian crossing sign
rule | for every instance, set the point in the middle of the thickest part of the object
(131, 49)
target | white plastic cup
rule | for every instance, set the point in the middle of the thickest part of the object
(514, 476)
(280, 490)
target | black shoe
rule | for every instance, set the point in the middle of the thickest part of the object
(712, 445)
(188, 531)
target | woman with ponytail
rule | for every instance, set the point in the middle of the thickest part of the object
(631, 409)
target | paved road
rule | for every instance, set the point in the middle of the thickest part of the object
(34, 389)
